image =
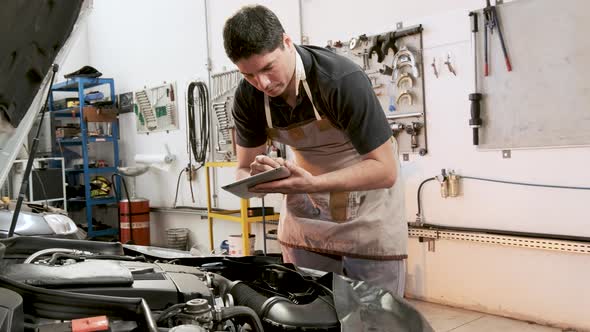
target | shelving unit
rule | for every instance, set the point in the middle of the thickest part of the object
(240, 216)
(79, 85)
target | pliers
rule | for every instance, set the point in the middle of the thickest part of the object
(492, 21)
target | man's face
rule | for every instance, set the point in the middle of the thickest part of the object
(270, 72)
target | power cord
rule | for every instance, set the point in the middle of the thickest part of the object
(199, 148)
(419, 213)
(177, 187)
(525, 183)
(118, 196)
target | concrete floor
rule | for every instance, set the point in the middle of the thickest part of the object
(443, 319)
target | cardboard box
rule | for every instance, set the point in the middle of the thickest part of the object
(64, 132)
(94, 114)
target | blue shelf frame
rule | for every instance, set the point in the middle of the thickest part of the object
(79, 85)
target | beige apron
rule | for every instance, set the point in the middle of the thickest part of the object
(363, 224)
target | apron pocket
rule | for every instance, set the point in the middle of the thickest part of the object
(339, 206)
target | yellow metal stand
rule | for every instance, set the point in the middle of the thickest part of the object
(240, 215)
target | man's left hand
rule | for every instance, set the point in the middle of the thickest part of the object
(300, 181)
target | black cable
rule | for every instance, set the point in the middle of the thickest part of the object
(25, 181)
(177, 186)
(199, 148)
(263, 226)
(118, 196)
(419, 214)
(169, 312)
(525, 183)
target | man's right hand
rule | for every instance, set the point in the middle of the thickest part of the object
(264, 163)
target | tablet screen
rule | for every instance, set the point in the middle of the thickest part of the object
(240, 187)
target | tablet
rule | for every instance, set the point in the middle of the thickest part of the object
(240, 188)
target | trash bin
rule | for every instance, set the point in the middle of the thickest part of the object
(177, 238)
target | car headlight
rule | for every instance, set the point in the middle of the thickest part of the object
(60, 224)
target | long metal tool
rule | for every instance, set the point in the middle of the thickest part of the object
(491, 21)
(475, 98)
(497, 24)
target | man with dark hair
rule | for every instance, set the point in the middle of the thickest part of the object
(344, 206)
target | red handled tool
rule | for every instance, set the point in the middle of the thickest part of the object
(492, 21)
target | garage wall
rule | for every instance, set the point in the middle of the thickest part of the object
(528, 284)
(144, 43)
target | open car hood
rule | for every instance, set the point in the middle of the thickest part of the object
(34, 36)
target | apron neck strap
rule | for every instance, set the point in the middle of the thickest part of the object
(307, 91)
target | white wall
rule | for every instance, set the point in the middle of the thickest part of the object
(529, 284)
(144, 43)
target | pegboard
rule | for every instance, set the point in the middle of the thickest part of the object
(397, 79)
(224, 85)
(156, 108)
(543, 101)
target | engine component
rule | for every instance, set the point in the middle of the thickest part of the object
(280, 312)
(11, 311)
(198, 312)
(188, 328)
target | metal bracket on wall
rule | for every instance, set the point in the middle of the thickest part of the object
(504, 240)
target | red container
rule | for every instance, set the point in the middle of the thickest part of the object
(138, 211)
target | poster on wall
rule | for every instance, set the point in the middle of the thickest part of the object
(155, 108)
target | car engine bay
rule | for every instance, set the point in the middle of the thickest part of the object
(59, 281)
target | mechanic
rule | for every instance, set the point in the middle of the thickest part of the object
(344, 206)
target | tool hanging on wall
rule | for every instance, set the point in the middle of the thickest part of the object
(492, 21)
(449, 65)
(404, 58)
(475, 98)
(225, 129)
(434, 67)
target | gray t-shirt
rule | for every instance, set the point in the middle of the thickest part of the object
(341, 92)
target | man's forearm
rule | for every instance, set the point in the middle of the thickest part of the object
(366, 175)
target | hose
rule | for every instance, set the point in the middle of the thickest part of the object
(241, 311)
(277, 310)
(169, 312)
(61, 305)
(45, 252)
(419, 213)
(199, 148)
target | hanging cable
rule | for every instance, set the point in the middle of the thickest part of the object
(119, 195)
(419, 213)
(25, 181)
(177, 186)
(201, 120)
(196, 122)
